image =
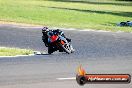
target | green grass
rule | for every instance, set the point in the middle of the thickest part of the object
(14, 51)
(84, 14)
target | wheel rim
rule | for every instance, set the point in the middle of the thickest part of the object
(67, 46)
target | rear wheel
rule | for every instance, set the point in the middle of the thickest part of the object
(50, 51)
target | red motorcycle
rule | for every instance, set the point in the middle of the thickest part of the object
(60, 43)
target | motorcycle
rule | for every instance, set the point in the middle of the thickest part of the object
(60, 43)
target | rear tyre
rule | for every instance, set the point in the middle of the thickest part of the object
(50, 51)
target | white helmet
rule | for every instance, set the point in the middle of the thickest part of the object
(45, 29)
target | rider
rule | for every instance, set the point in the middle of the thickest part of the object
(45, 32)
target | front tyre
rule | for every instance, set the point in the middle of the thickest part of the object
(72, 49)
(67, 48)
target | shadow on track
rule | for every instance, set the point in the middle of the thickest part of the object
(124, 14)
(96, 2)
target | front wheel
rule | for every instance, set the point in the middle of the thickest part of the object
(72, 49)
(67, 48)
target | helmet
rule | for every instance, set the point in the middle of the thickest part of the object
(45, 29)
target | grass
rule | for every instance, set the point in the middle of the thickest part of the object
(14, 51)
(83, 14)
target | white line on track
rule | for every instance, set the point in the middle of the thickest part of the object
(69, 29)
(32, 27)
(16, 56)
(93, 30)
(35, 53)
(68, 78)
(40, 27)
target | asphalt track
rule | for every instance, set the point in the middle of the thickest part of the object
(98, 52)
